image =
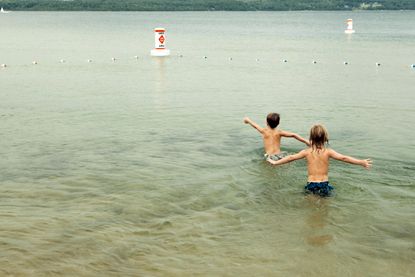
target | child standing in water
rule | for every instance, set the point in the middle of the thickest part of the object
(272, 136)
(317, 156)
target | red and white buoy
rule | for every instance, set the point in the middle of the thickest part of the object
(160, 43)
(349, 28)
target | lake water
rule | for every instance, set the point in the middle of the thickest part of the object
(143, 167)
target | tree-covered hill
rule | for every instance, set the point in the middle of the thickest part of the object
(203, 5)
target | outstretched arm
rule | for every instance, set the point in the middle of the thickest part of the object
(296, 136)
(247, 120)
(367, 163)
(289, 158)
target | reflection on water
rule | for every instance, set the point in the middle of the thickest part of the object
(160, 82)
(160, 68)
(317, 221)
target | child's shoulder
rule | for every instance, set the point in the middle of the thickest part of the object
(277, 132)
(307, 150)
(281, 132)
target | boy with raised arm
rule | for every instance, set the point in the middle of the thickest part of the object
(317, 156)
(272, 136)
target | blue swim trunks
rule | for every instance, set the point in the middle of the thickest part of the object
(276, 157)
(319, 188)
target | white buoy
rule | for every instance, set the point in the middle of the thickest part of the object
(3, 11)
(3, 65)
(314, 62)
(345, 63)
(62, 61)
(205, 57)
(89, 60)
(230, 58)
(285, 61)
(160, 43)
(34, 62)
(257, 60)
(136, 57)
(377, 64)
(413, 65)
(113, 59)
(349, 28)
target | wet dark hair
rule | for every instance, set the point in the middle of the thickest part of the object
(318, 137)
(273, 119)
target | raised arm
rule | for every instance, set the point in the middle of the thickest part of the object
(247, 120)
(296, 136)
(288, 159)
(367, 163)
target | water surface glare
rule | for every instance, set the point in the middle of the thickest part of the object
(143, 167)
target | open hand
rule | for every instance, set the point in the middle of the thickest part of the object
(367, 163)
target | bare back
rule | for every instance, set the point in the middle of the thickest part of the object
(317, 164)
(272, 141)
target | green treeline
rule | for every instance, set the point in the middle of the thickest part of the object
(204, 5)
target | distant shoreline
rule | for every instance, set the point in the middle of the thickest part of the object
(91, 10)
(205, 5)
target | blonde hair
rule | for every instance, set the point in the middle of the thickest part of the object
(318, 137)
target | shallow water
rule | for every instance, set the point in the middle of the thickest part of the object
(144, 167)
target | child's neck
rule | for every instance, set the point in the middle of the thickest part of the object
(318, 148)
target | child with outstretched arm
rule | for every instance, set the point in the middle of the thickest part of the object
(318, 156)
(272, 136)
